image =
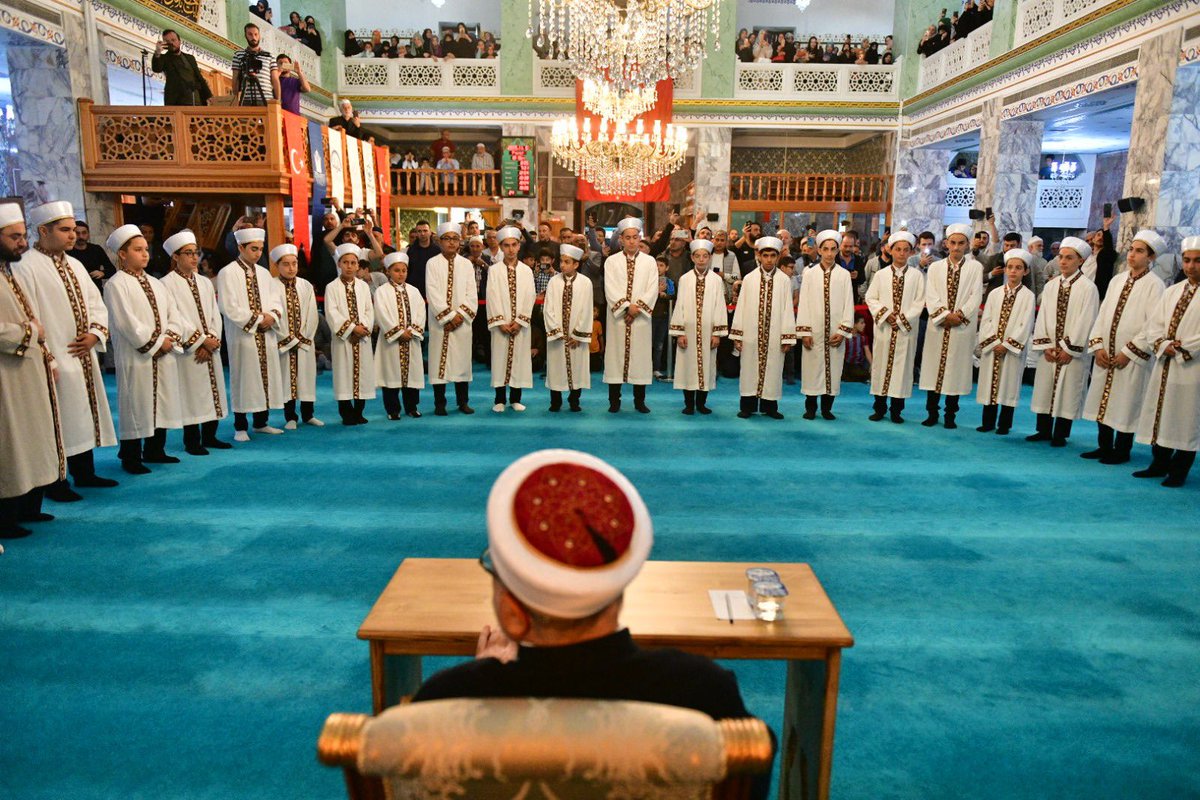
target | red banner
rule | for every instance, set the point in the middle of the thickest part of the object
(383, 187)
(658, 192)
(295, 134)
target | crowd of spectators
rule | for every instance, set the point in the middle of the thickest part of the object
(958, 25)
(764, 46)
(301, 28)
(457, 42)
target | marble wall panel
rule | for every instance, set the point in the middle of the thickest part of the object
(713, 150)
(1014, 193)
(989, 154)
(920, 192)
(47, 139)
(1177, 211)
(1107, 185)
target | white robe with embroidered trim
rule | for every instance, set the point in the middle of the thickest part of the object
(1007, 319)
(399, 309)
(510, 297)
(628, 346)
(1114, 397)
(69, 304)
(244, 294)
(449, 292)
(1058, 389)
(142, 315)
(1171, 411)
(826, 308)
(201, 386)
(346, 306)
(699, 315)
(763, 322)
(296, 329)
(946, 360)
(900, 291)
(567, 312)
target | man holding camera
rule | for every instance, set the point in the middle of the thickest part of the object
(255, 75)
(185, 86)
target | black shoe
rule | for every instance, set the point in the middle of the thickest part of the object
(94, 482)
(349, 422)
(393, 416)
(827, 415)
(745, 414)
(773, 414)
(1096, 455)
(135, 468)
(1151, 472)
(1038, 437)
(575, 409)
(40, 516)
(1174, 481)
(439, 412)
(930, 421)
(414, 414)
(896, 418)
(1114, 458)
(689, 410)
(985, 428)
(160, 458)
(641, 408)
(950, 424)
(613, 408)
(704, 409)
(61, 492)
(1002, 431)
(878, 415)
(195, 451)
(810, 414)
(216, 444)
(465, 409)
(555, 408)
(15, 532)
(1058, 442)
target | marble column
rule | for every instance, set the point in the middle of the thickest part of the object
(89, 78)
(1108, 184)
(1158, 62)
(1177, 212)
(527, 205)
(714, 146)
(919, 201)
(989, 154)
(47, 139)
(1015, 191)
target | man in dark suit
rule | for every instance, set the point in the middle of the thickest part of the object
(185, 86)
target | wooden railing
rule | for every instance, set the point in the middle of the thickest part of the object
(425, 187)
(755, 191)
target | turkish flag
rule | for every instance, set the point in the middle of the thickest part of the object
(657, 192)
(295, 131)
(383, 180)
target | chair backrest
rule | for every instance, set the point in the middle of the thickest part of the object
(544, 748)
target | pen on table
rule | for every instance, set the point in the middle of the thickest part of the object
(729, 607)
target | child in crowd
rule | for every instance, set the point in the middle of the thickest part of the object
(400, 316)
(858, 354)
(1004, 332)
(567, 308)
(596, 347)
(351, 315)
(297, 329)
(661, 318)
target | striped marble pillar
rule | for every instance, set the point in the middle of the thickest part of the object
(714, 146)
(919, 201)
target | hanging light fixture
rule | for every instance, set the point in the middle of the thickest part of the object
(615, 160)
(605, 101)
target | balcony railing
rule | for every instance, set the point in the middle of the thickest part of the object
(455, 77)
(431, 186)
(1036, 18)
(842, 82)
(555, 79)
(957, 58)
(278, 43)
(753, 191)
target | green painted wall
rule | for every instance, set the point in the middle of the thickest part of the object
(718, 70)
(516, 58)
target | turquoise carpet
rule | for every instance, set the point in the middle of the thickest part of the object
(1028, 624)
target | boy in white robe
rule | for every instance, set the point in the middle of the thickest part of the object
(1170, 416)
(252, 310)
(400, 317)
(72, 310)
(1004, 331)
(698, 323)
(453, 298)
(567, 311)
(953, 293)
(631, 288)
(146, 342)
(896, 299)
(824, 318)
(350, 312)
(1060, 336)
(296, 329)
(510, 296)
(763, 330)
(201, 376)
(1121, 369)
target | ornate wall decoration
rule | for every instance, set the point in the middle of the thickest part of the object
(32, 27)
(148, 137)
(761, 80)
(475, 74)
(241, 139)
(1060, 197)
(420, 74)
(184, 8)
(1068, 93)
(556, 77)
(960, 197)
(365, 73)
(815, 81)
(873, 81)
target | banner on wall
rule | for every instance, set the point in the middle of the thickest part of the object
(661, 112)
(370, 194)
(354, 169)
(518, 174)
(293, 142)
(337, 177)
(320, 186)
(383, 187)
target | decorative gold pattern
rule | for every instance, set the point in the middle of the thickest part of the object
(158, 330)
(630, 262)
(405, 314)
(827, 275)
(449, 310)
(765, 297)
(701, 285)
(568, 293)
(898, 279)
(998, 359)
(291, 305)
(1111, 372)
(1060, 324)
(82, 325)
(260, 337)
(48, 362)
(953, 272)
(356, 350)
(237, 139)
(512, 308)
(1181, 307)
(213, 384)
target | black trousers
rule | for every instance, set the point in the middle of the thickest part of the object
(933, 403)
(573, 398)
(752, 403)
(614, 392)
(82, 465)
(351, 410)
(200, 434)
(514, 395)
(132, 450)
(14, 510)
(392, 398)
(306, 410)
(260, 420)
(882, 403)
(461, 394)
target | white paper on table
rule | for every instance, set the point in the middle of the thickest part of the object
(723, 600)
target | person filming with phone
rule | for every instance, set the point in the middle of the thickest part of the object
(185, 86)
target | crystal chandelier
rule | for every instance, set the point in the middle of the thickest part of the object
(615, 160)
(605, 101)
(626, 44)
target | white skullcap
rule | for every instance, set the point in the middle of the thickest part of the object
(364, 254)
(395, 258)
(10, 214)
(181, 239)
(345, 249)
(1190, 243)
(629, 222)
(827, 235)
(448, 227)
(1081, 248)
(768, 243)
(567, 532)
(118, 238)
(279, 251)
(1017, 252)
(679, 233)
(508, 232)
(701, 244)
(1153, 240)
(570, 251)
(958, 227)
(476, 238)
(704, 226)
(902, 236)
(51, 212)
(1037, 239)
(247, 235)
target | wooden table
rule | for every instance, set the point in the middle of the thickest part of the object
(437, 606)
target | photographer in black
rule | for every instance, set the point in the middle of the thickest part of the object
(255, 75)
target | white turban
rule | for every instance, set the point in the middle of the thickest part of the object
(566, 532)
(701, 244)
(1081, 248)
(181, 239)
(958, 227)
(118, 238)
(1037, 239)
(1017, 252)
(448, 227)
(679, 233)
(1190, 243)
(769, 243)
(902, 236)
(51, 212)
(570, 251)
(824, 236)
(395, 258)
(279, 251)
(247, 235)
(10, 214)
(345, 249)
(1152, 240)
(629, 222)
(509, 232)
